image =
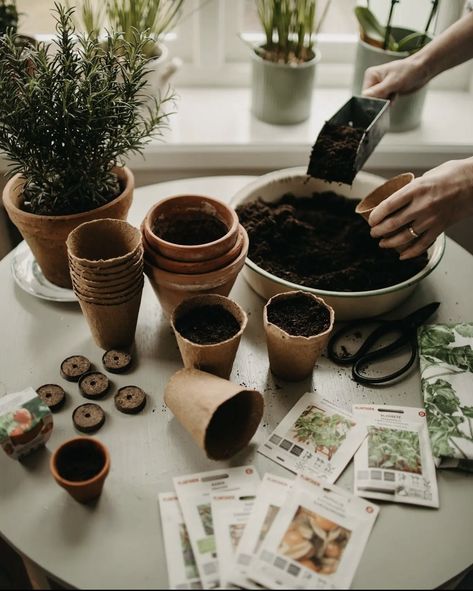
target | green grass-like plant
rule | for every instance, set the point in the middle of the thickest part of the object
(8, 17)
(70, 113)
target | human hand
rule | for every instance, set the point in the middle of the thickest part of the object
(427, 206)
(397, 77)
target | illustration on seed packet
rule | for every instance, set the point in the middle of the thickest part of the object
(394, 449)
(267, 523)
(314, 541)
(24, 423)
(316, 437)
(187, 554)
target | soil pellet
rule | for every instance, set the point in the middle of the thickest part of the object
(88, 417)
(72, 368)
(52, 395)
(207, 325)
(130, 399)
(94, 384)
(299, 316)
(116, 361)
(79, 462)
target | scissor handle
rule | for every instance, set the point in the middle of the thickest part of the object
(372, 338)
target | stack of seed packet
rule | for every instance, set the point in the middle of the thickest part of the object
(227, 529)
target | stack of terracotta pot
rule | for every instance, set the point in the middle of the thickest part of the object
(184, 256)
(106, 266)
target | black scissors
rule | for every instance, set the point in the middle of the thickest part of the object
(407, 327)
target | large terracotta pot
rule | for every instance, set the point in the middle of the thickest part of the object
(46, 235)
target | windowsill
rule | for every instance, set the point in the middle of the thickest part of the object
(214, 129)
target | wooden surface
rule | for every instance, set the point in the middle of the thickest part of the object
(117, 543)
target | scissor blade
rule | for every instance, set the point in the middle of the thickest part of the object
(420, 316)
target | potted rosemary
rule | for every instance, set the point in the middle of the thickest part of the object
(283, 68)
(67, 120)
(380, 44)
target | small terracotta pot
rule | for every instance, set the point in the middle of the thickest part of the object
(293, 358)
(184, 206)
(172, 288)
(46, 235)
(366, 205)
(103, 244)
(82, 490)
(216, 358)
(112, 325)
(221, 416)
(195, 267)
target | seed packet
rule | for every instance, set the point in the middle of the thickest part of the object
(231, 512)
(446, 367)
(395, 461)
(194, 492)
(317, 539)
(316, 438)
(25, 423)
(270, 496)
(182, 569)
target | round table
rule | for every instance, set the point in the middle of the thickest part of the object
(117, 542)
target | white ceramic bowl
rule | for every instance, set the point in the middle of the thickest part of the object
(347, 305)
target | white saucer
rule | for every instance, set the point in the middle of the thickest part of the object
(30, 278)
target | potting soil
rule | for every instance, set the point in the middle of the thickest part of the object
(190, 229)
(321, 242)
(79, 462)
(207, 325)
(300, 315)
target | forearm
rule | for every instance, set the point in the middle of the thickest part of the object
(451, 48)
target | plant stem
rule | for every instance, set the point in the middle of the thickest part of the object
(388, 25)
(433, 12)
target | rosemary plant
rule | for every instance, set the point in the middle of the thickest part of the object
(375, 33)
(289, 27)
(68, 116)
(8, 17)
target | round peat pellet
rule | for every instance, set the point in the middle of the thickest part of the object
(88, 417)
(116, 361)
(72, 368)
(52, 395)
(94, 384)
(130, 400)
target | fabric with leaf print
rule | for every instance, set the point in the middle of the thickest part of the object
(446, 365)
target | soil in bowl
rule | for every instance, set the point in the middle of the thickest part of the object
(207, 325)
(334, 153)
(321, 242)
(299, 316)
(190, 229)
(80, 461)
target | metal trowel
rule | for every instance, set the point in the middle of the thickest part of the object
(348, 138)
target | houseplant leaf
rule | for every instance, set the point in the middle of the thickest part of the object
(372, 30)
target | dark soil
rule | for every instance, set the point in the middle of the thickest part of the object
(334, 153)
(80, 461)
(300, 315)
(321, 242)
(207, 325)
(190, 230)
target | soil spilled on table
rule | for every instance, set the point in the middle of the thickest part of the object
(321, 242)
(80, 461)
(190, 229)
(207, 325)
(334, 153)
(300, 315)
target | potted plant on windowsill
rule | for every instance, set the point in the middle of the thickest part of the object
(283, 68)
(379, 44)
(66, 122)
(153, 17)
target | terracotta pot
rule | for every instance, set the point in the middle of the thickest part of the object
(195, 267)
(293, 358)
(103, 244)
(75, 449)
(172, 288)
(221, 416)
(216, 358)
(366, 205)
(46, 235)
(183, 207)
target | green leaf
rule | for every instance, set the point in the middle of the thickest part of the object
(467, 411)
(465, 329)
(443, 396)
(372, 28)
(435, 335)
(406, 43)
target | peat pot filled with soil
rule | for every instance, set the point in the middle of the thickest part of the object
(208, 330)
(297, 326)
(306, 235)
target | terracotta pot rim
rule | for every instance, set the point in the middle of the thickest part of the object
(289, 295)
(151, 217)
(80, 483)
(218, 299)
(123, 173)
